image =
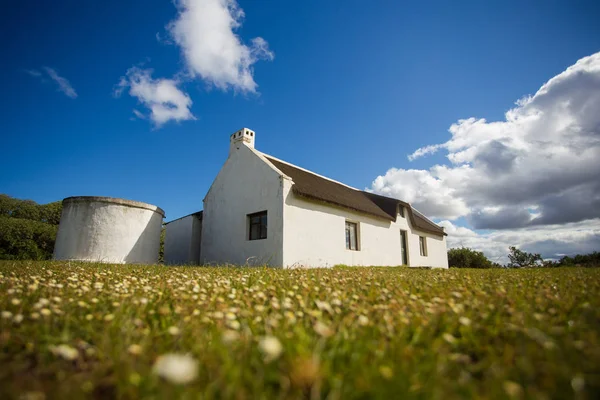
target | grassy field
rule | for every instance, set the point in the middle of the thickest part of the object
(92, 330)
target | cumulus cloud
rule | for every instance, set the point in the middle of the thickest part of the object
(212, 52)
(205, 32)
(537, 167)
(63, 84)
(552, 241)
(423, 189)
(162, 97)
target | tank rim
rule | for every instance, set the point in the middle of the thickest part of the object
(113, 200)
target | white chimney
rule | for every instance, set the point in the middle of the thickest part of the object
(243, 137)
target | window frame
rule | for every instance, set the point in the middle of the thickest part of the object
(262, 227)
(401, 210)
(423, 246)
(356, 227)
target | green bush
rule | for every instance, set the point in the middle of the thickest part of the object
(583, 260)
(161, 249)
(50, 213)
(466, 258)
(22, 239)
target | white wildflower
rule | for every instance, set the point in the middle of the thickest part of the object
(578, 383)
(176, 368)
(234, 325)
(230, 316)
(322, 329)
(64, 351)
(135, 349)
(271, 347)
(173, 330)
(449, 338)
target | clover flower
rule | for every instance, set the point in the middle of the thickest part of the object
(176, 368)
(271, 347)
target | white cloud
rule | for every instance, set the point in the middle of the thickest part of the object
(63, 84)
(424, 151)
(422, 189)
(162, 97)
(543, 157)
(34, 72)
(138, 114)
(204, 30)
(551, 241)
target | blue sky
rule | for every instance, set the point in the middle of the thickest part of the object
(354, 87)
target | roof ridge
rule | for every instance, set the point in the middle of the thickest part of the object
(197, 213)
(306, 183)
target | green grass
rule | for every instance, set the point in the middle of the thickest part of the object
(345, 332)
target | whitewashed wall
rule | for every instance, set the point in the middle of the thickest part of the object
(108, 230)
(314, 236)
(182, 241)
(246, 184)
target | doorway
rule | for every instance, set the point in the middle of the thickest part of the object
(404, 247)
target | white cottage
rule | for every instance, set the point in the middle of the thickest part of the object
(263, 210)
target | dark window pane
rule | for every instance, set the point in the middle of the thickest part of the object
(347, 237)
(257, 225)
(254, 231)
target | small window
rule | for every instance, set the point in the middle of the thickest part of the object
(257, 226)
(401, 211)
(351, 236)
(423, 245)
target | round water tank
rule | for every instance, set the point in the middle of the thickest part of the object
(108, 230)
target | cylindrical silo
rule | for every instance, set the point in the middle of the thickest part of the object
(108, 230)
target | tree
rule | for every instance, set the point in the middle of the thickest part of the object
(7, 205)
(50, 213)
(522, 259)
(23, 239)
(28, 209)
(467, 258)
(582, 260)
(27, 229)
